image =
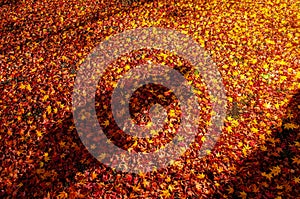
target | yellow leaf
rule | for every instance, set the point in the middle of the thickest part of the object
(254, 61)
(28, 87)
(64, 58)
(49, 109)
(45, 98)
(171, 187)
(269, 176)
(245, 149)
(106, 123)
(240, 144)
(229, 129)
(235, 123)
(297, 75)
(127, 67)
(269, 41)
(282, 79)
(39, 133)
(22, 86)
(279, 187)
(266, 66)
(146, 183)
(172, 113)
(290, 126)
(243, 195)
(254, 130)
(229, 118)
(235, 73)
(62, 144)
(225, 66)
(166, 193)
(201, 176)
(296, 160)
(168, 179)
(275, 170)
(180, 138)
(230, 190)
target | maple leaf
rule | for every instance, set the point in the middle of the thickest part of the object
(234, 123)
(230, 190)
(229, 129)
(28, 87)
(9, 132)
(279, 187)
(245, 149)
(172, 113)
(106, 123)
(49, 109)
(101, 156)
(296, 180)
(127, 67)
(296, 160)
(136, 188)
(268, 176)
(171, 187)
(277, 105)
(142, 174)
(275, 170)
(267, 105)
(201, 176)
(297, 75)
(45, 98)
(166, 193)
(180, 138)
(39, 133)
(255, 189)
(94, 175)
(62, 195)
(254, 130)
(290, 126)
(146, 183)
(243, 195)
(22, 86)
(64, 58)
(46, 157)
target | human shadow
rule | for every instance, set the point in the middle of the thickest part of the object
(270, 173)
(54, 172)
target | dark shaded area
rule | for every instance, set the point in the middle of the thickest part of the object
(141, 100)
(145, 97)
(280, 153)
(101, 14)
(59, 171)
(8, 2)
